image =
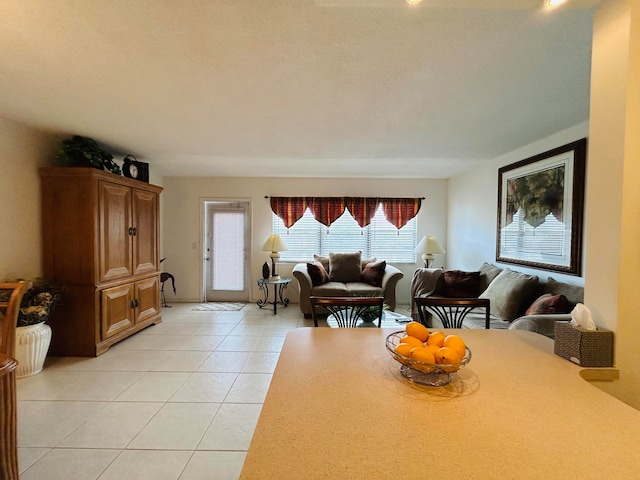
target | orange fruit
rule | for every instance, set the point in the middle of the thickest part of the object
(404, 349)
(455, 342)
(436, 338)
(448, 356)
(433, 349)
(422, 354)
(418, 330)
(411, 341)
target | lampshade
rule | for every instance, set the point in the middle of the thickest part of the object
(429, 245)
(274, 244)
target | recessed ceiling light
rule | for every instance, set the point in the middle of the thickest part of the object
(553, 3)
(413, 2)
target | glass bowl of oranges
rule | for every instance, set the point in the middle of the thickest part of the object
(427, 357)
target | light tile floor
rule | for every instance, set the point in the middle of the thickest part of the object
(177, 401)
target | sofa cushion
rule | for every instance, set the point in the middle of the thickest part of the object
(488, 273)
(574, 293)
(508, 291)
(361, 289)
(318, 274)
(549, 304)
(460, 284)
(373, 273)
(325, 261)
(331, 289)
(345, 267)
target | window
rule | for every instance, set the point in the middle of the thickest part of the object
(379, 239)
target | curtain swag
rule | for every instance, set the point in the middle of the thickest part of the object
(326, 210)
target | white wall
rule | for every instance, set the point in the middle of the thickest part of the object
(473, 207)
(22, 151)
(612, 257)
(613, 263)
(182, 235)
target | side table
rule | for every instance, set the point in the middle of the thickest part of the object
(278, 287)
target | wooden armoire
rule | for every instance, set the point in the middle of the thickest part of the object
(101, 245)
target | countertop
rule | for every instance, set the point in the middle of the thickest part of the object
(338, 408)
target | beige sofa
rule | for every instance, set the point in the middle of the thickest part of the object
(512, 296)
(387, 288)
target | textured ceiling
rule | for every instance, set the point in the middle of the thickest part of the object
(298, 88)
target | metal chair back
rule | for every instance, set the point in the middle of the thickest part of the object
(347, 311)
(450, 311)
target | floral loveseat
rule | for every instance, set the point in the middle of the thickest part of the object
(517, 300)
(346, 275)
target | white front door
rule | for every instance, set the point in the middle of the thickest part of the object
(226, 268)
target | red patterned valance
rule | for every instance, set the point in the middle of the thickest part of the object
(289, 209)
(362, 209)
(398, 211)
(326, 210)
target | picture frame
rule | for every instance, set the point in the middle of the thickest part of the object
(541, 209)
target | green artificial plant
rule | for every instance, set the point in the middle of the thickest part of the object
(80, 151)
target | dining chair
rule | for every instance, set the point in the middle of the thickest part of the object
(347, 312)
(450, 311)
(11, 294)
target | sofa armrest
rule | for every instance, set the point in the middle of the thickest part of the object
(390, 279)
(542, 324)
(301, 274)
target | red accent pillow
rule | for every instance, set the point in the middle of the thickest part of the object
(549, 304)
(318, 274)
(460, 284)
(373, 273)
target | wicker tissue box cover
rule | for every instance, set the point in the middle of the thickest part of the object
(587, 348)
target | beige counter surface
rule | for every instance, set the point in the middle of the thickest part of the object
(339, 408)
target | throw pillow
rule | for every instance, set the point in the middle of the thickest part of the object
(373, 273)
(366, 261)
(345, 267)
(549, 304)
(574, 293)
(323, 260)
(508, 291)
(318, 274)
(488, 273)
(460, 284)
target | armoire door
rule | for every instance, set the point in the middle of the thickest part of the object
(147, 298)
(117, 305)
(145, 230)
(115, 231)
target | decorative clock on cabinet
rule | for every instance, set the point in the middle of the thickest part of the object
(132, 168)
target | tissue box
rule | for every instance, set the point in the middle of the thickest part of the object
(587, 348)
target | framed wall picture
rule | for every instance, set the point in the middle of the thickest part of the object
(540, 210)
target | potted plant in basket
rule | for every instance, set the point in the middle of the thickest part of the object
(33, 335)
(80, 151)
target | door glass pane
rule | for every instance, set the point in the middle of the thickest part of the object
(228, 250)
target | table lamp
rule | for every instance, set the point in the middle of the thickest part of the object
(274, 244)
(428, 246)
